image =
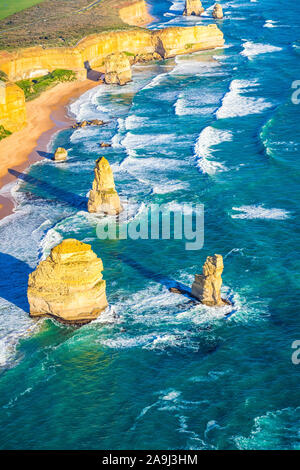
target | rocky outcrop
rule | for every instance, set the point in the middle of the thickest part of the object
(60, 155)
(105, 144)
(12, 107)
(136, 14)
(193, 7)
(141, 58)
(103, 196)
(93, 122)
(68, 285)
(217, 11)
(117, 69)
(207, 286)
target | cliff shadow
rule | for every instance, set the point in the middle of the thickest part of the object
(47, 155)
(73, 200)
(13, 285)
(91, 74)
(157, 277)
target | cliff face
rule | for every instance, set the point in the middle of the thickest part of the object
(93, 50)
(117, 69)
(36, 61)
(193, 7)
(103, 196)
(12, 107)
(174, 41)
(68, 285)
(136, 14)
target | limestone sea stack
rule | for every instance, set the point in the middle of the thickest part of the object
(68, 285)
(217, 11)
(103, 196)
(207, 286)
(60, 155)
(117, 69)
(193, 7)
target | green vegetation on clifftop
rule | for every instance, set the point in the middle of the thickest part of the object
(9, 7)
(4, 133)
(59, 23)
(34, 87)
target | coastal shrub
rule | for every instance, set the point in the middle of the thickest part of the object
(34, 87)
(3, 76)
(4, 132)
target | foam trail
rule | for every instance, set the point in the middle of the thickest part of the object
(235, 104)
(210, 137)
(251, 50)
(259, 212)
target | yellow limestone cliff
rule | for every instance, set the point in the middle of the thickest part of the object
(193, 7)
(175, 41)
(117, 69)
(207, 286)
(136, 14)
(217, 11)
(92, 50)
(103, 196)
(12, 107)
(68, 285)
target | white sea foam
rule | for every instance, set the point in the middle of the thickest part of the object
(259, 212)
(209, 138)
(270, 24)
(275, 430)
(136, 141)
(156, 81)
(236, 104)
(50, 240)
(169, 187)
(177, 5)
(135, 122)
(192, 103)
(172, 395)
(251, 49)
(196, 64)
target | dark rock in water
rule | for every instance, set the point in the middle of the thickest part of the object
(93, 122)
(175, 290)
(104, 144)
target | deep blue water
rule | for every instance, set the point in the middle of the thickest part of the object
(216, 128)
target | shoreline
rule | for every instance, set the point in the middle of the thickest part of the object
(46, 115)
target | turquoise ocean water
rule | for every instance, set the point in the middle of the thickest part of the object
(155, 372)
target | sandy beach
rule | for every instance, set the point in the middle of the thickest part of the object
(46, 115)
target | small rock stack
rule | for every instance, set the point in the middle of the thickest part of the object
(103, 196)
(193, 7)
(60, 155)
(217, 11)
(207, 286)
(117, 69)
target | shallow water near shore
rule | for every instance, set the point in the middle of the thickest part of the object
(155, 371)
